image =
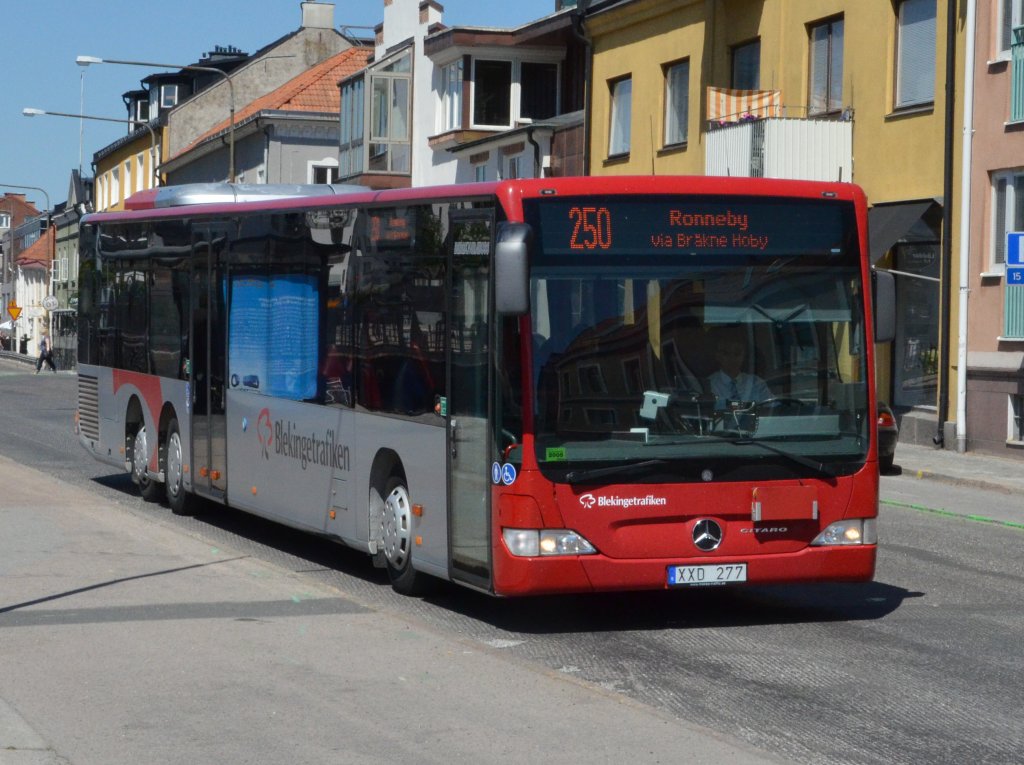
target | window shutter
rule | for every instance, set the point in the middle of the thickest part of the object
(835, 85)
(1013, 311)
(916, 54)
(1010, 217)
(819, 69)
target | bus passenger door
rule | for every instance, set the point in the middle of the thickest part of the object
(206, 352)
(469, 397)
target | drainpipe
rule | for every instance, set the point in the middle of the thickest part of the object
(947, 226)
(965, 229)
(266, 152)
(588, 76)
(536, 152)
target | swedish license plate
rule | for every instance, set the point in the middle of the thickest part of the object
(707, 574)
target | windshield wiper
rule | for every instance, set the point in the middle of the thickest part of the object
(799, 459)
(582, 476)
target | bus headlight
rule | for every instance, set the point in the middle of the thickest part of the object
(855, 531)
(529, 543)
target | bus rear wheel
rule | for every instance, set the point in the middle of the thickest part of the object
(397, 540)
(138, 450)
(180, 501)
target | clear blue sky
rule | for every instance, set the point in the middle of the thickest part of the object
(39, 43)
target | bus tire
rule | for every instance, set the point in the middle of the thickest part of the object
(138, 450)
(397, 540)
(180, 501)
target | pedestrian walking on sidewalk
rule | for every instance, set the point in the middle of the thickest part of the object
(45, 354)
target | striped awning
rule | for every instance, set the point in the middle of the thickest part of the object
(727, 105)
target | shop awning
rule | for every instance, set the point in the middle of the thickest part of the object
(887, 224)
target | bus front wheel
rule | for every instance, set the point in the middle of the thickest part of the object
(397, 540)
(178, 498)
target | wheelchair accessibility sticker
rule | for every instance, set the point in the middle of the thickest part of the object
(505, 474)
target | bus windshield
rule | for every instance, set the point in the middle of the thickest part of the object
(697, 338)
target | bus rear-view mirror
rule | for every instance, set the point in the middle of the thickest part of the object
(512, 269)
(884, 288)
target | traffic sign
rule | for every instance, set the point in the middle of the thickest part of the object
(1015, 277)
(50, 303)
(14, 310)
(1015, 248)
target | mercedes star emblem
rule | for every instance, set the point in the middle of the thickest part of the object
(707, 535)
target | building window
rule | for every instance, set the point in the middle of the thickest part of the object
(1007, 213)
(621, 114)
(492, 93)
(746, 66)
(538, 90)
(1015, 419)
(915, 53)
(390, 130)
(506, 92)
(168, 96)
(513, 168)
(115, 186)
(350, 159)
(140, 111)
(324, 174)
(479, 173)
(5, 220)
(677, 102)
(140, 164)
(451, 96)
(1011, 14)
(826, 60)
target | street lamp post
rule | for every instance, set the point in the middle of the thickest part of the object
(87, 60)
(30, 112)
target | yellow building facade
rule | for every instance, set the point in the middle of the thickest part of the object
(126, 167)
(878, 65)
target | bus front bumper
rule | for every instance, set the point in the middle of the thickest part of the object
(515, 576)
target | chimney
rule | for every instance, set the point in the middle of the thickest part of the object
(317, 15)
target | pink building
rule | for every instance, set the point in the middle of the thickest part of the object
(995, 335)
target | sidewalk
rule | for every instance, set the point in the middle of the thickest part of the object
(968, 469)
(127, 640)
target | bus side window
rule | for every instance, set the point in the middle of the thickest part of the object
(399, 315)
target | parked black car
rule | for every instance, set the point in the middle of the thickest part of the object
(888, 435)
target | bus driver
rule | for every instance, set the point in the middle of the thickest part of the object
(730, 382)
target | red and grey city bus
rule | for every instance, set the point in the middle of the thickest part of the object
(506, 385)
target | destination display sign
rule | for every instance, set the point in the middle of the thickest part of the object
(390, 228)
(692, 225)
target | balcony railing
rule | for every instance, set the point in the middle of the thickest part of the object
(804, 149)
(1017, 75)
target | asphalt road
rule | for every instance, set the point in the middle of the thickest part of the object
(920, 666)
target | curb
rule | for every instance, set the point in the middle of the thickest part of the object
(977, 483)
(21, 357)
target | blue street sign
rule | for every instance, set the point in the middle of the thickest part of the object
(1015, 248)
(1015, 276)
